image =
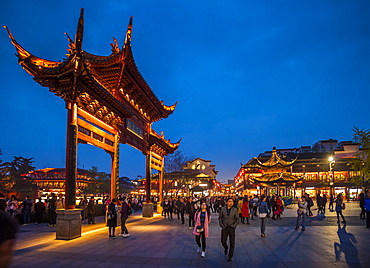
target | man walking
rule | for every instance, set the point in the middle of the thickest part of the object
(229, 220)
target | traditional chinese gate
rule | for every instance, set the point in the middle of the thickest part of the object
(108, 103)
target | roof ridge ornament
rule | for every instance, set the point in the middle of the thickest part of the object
(129, 32)
(114, 46)
(21, 51)
(79, 32)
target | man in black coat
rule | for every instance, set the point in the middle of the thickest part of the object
(228, 220)
(91, 211)
(39, 210)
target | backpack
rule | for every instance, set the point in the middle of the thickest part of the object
(310, 202)
(129, 210)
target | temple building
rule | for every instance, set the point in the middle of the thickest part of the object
(293, 172)
(197, 177)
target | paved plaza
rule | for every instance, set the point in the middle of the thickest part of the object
(159, 242)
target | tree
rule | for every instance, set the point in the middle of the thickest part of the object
(176, 161)
(100, 182)
(14, 177)
(361, 163)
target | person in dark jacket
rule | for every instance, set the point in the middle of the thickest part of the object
(320, 204)
(112, 217)
(362, 206)
(339, 206)
(190, 210)
(274, 207)
(2, 202)
(228, 220)
(324, 201)
(91, 211)
(263, 210)
(181, 210)
(367, 209)
(26, 206)
(309, 205)
(8, 230)
(125, 213)
(52, 210)
(39, 210)
(166, 204)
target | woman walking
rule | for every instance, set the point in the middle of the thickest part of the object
(280, 205)
(339, 206)
(301, 213)
(263, 210)
(112, 217)
(202, 218)
(245, 210)
(125, 213)
(12, 206)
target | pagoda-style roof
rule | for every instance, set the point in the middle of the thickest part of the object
(276, 177)
(165, 146)
(274, 161)
(253, 163)
(114, 80)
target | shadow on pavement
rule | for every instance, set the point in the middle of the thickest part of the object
(347, 246)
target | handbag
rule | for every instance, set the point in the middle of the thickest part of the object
(276, 212)
(110, 215)
(200, 229)
(262, 215)
(299, 211)
(343, 206)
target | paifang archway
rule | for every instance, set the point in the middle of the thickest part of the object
(108, 103)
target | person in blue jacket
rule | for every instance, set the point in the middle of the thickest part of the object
(263, 211)
(367, 209)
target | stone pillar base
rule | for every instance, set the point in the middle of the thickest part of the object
(148, 210)
(68, 224)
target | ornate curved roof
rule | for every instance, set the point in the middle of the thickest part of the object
(277, 178)
(161, 143)
(274, 161)
(114, 79)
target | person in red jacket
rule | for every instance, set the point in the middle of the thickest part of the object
(245, 210)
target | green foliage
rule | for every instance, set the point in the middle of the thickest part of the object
(361, 164)
(13, 175)
(100, 182)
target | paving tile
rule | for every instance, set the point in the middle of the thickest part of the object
(166, 242)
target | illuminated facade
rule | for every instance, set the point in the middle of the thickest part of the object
(198, 177)
(309, 172)
(50, 180)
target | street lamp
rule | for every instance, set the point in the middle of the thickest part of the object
(331, 165)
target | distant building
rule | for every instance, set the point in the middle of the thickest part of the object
(197, 177)
(310, 163)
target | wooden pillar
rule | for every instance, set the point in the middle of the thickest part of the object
(148, 176)
(71, 156)
(161, 183)
(114, 182)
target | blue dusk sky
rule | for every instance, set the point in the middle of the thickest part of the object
(248, 75)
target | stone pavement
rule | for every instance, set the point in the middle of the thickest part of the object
(159, 242)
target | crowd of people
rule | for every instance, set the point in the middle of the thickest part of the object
(230, 212)
(21, 210)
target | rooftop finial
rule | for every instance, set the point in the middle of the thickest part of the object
(129, 31)
(80, 31)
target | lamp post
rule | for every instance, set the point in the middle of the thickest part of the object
(331, 165)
